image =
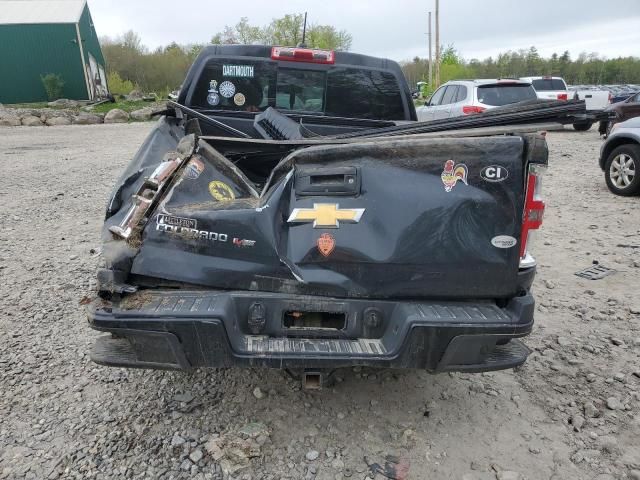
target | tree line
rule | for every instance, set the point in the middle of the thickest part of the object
(132, 65)
(586, 69)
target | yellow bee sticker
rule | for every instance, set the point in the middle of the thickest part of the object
(221, 191)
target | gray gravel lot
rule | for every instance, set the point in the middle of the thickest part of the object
(572, 412)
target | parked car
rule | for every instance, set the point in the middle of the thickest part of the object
(622, 111)
(549, 88)
(555, 88)
(225, 249)
(620, 158)
(622, 95)
(465, 97)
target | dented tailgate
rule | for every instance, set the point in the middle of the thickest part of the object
(412, 218)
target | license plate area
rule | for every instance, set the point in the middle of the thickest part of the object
(316, 324)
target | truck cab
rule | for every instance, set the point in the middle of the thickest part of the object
(329, 92)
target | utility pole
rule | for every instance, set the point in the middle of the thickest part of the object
(437, 44)
(430, 59)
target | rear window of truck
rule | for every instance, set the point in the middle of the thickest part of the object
(500, 94)
(253, 86)
(548, 84)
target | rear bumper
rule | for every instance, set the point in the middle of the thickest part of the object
(188, 329)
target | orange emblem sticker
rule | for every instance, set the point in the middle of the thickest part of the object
(326, 244)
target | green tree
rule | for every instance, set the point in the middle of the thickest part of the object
(587, 68)
(53, 84)
(285, 31)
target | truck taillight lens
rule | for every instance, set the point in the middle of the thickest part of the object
(533, 209)
(471, 109)
(562, 96)
(308, 55)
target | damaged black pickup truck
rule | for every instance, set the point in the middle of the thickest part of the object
(256, 226)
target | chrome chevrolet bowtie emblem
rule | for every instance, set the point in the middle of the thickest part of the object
(326, 215)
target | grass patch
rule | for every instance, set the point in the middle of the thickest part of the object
(27, 105)
(125, 105)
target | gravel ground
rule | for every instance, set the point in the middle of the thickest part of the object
(572, 412)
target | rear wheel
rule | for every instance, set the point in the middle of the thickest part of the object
(582, 126)
(621, 170)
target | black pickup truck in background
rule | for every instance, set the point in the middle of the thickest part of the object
(238, 236)
(328, 92)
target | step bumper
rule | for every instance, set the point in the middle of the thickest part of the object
(182, 330)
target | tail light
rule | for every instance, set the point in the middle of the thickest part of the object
(533, 213)
(471, 109)
(610, 97)
(562, 96)
(308, 55)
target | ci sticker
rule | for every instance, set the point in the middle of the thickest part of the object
(326, 244)
(221, 191)
(503, 241)
(494, 173)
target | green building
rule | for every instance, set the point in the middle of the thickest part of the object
(38, 37)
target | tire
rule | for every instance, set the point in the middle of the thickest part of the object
(603, 128)
(582, 126)
(622, 170)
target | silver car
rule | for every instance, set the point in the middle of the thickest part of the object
(466, 97)
(620, 158)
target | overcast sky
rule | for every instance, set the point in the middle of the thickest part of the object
(397, 29)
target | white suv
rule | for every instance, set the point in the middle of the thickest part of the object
(465, 97)
(549, 88)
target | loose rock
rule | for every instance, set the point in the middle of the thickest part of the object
(613, 403)
(57, 121)
(116, 116)
(31, 121)
(312, 455)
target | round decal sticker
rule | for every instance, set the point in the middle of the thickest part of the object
(503, 241)
(227, 89)
(221, 191)
(494, 173)
(239, 99)
(213, 99)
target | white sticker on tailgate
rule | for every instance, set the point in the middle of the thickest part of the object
(503, 241)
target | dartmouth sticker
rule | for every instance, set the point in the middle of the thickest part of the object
(245, 71)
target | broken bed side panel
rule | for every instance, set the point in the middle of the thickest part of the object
(212, 228)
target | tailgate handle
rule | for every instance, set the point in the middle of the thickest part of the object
(342, 181)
